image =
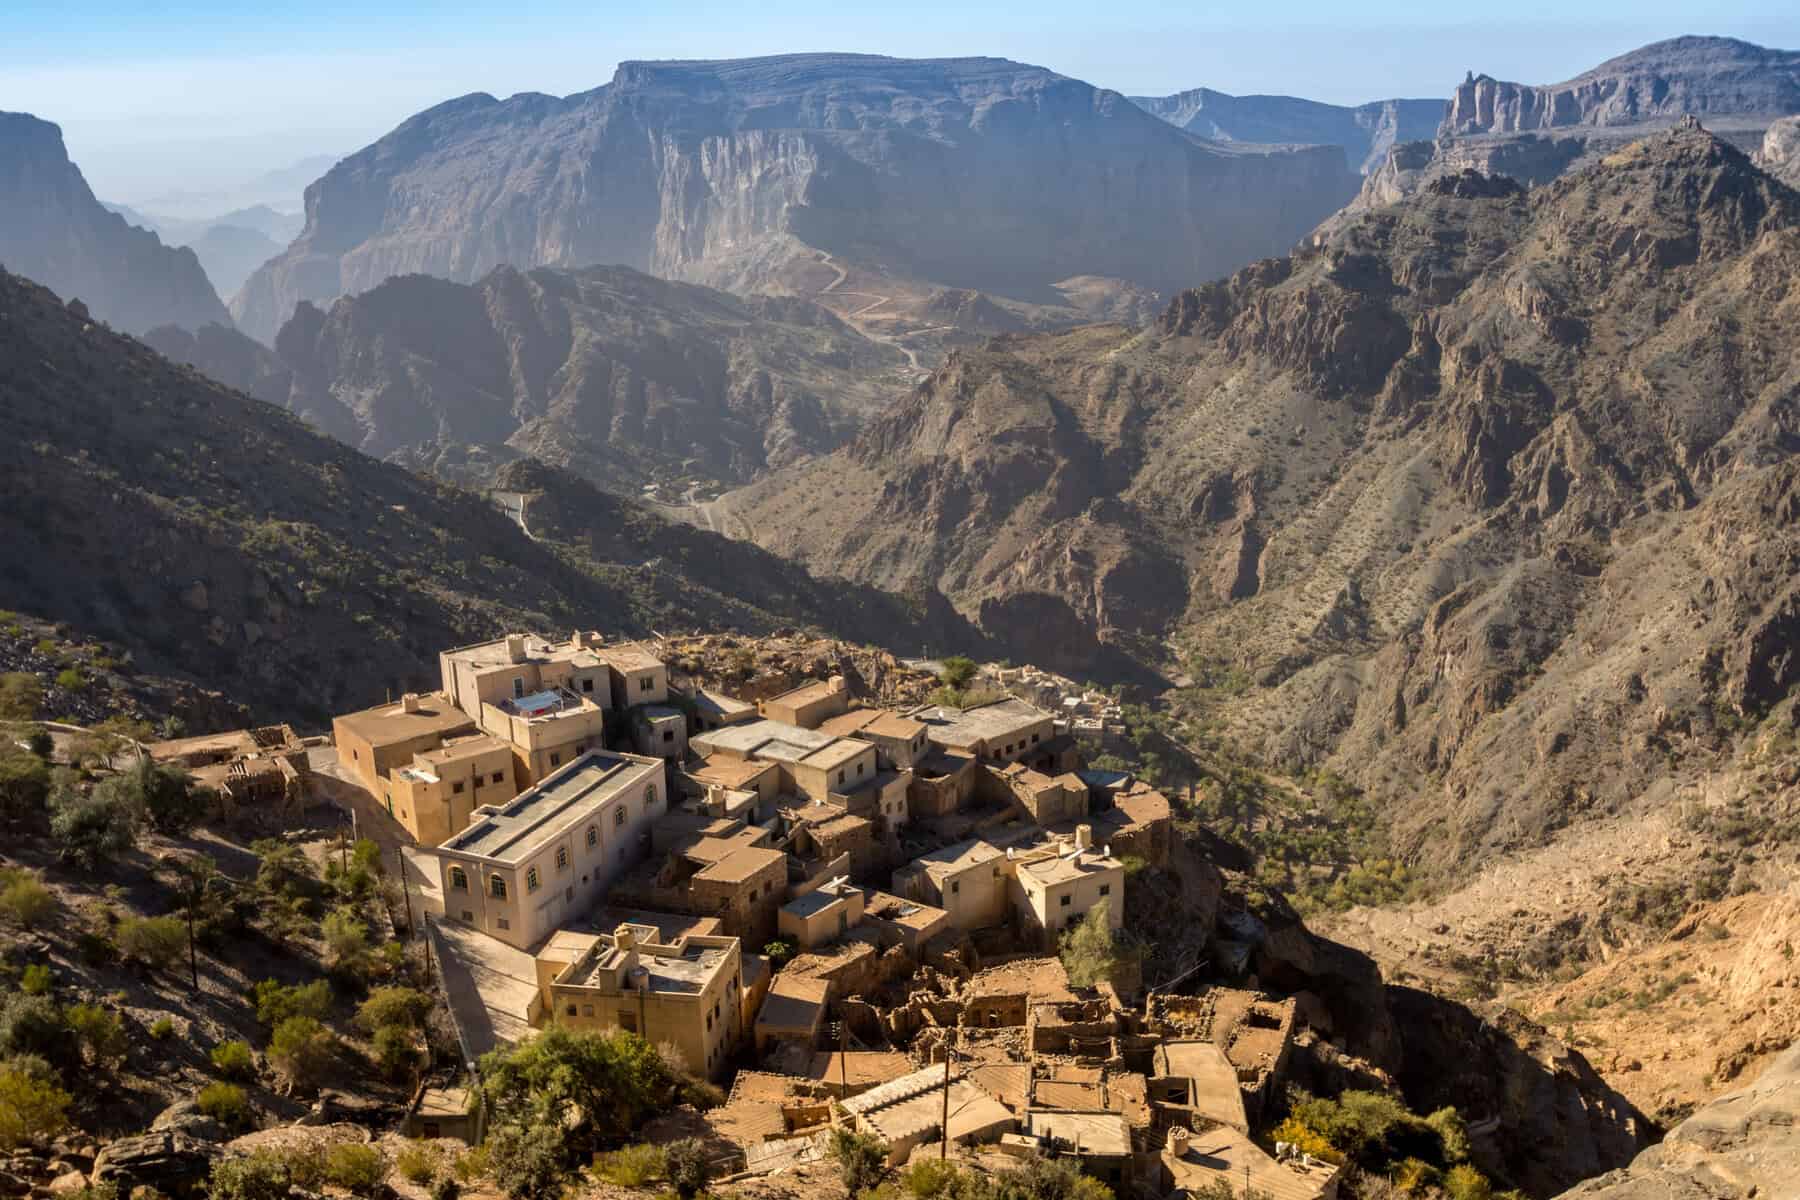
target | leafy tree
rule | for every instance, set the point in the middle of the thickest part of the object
(402, 1006)
(91, 828)
(609, 1082)
(1090, 951)
(346, 938)
(37, 980)
(281, 868)
(1052, 1179)
(687, 1166)
(234, 1060)
(1453, 1134)
(21, 696)
(41, 744)
(32, 1107)
(396, 1051)
(958, 671)
(861, 1158)
(154, 941)
(276, 1003)
(528, 1162)
(33, 1025)
(631, 1166)
(300, 1050)
(102, 1033)
(24, 781)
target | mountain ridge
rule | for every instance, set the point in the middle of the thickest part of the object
(1366, 132)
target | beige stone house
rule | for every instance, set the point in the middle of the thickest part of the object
(1002, 731)
(686, 993)
(374, 742)
(899, 741)
(809, 705)
(711, 866)
(967, 880)
(1052, 888)
(520, 869)
(822, 915)
(434, 795)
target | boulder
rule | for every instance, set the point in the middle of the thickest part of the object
(172, 1162)
(184, 1116)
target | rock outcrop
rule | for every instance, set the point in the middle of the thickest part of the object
(738, 174)
(1743, 1146)
(1780, 155)
(622, 377)
(1489, 496)
(1365, 132)
(53, 231)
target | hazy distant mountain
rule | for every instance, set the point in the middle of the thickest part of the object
(971, 173)
(1366, 132)
(623, 377)
(1536, 133)
(282, 189)
(230, 245)
(54, 231)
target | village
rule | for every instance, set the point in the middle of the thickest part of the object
(843, 914)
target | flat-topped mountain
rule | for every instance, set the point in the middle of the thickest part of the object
(1366, 132)
(627, 379)
(756, 174)
(1487, 500)
(54, 231)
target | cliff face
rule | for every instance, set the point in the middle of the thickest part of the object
(623, 377)
(1365, 132)
(1780, 155)
(54, 231)
(1699, 76)
(730, 173)
(1490, 496)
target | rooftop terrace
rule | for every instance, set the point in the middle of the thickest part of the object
(515, 831)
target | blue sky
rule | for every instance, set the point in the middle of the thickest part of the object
(157, 97)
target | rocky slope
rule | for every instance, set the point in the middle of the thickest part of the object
(1742, 1146)
(215, 538)
(1536, 133)
(1489, 498)
(624, 378)
(1780, 155)
(1365, 132)
(740, 173)
(53, 230)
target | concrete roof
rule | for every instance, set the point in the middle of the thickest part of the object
(729, 772)
(806, 693)
(459, 749)
(875, 721)
(794, 1003)
(1215, 1083)
(953, 860)
(628, 656)
(746, 738)
(1099, 1133)
(813, 902)
(518, 829)
(1065, 868)
(837, 753)
(741, 864)
(1225, 1153)
(858, 1067)
(709, 700)
(984, 722)
(388, 723)
(881, 906)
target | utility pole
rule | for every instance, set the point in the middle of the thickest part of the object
(949, 1055)
(193, 955)
(406, 891)
(843, 1057)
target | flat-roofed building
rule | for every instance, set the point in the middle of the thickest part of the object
(714, 709)
(822, 915)
(905, 923)
(793, 1011)
(638, 676)
(1048, 801)
(1100, 1141)
(810, 704)
(967, 880)
(521, 664)
(521, 869)
(1195, 1076)
(844, 766)
(1206, 1162)
(715, 867)
(1130, 816)
(899, 741)
(373, 742)
(1053, 888)
(686, 993)
(941, 783)
(814, 764)
(737, 777)
(1007, 730)
(660, 730)
(434, 795)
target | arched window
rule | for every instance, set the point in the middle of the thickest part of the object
(562, 858)
(593, 836)
(650, 796)
(497, 887)
(459, 879)
(619, 815)
(531, 879)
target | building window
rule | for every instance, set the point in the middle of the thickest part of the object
(587, 685)
(644, 684)
(709, 1023)
(955, 887)
(503, 923)
(497, 887)
(562, 858)
(468, 916)
(459, 879)
(518, 687)
(628, 1022)
(580, 747)
(650, 795)
(840, 777)
(859, 770)
(1106, 889)
(531, 879)
(498, 777)
(456, 788)
(1034, 739)
(619, 816)
(555, 759)
(587, 1010)
(593, 836)
(571, 1010)
(1065, 901)
(668, 735)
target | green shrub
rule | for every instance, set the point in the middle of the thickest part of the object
(861, 1159)
(234, 1060)
(418, 1161)
(21, 696)
(958, 672)
(346, 938)
(158, 942)
(686, 1165)
(300, 1050)
(527, 1162)
(402, 1006)
(396, 1051)
(633, 1166)
(1464, 1182)
(32, 1109)
(599, 1085)
(24, 781)
(259, 1175)
(70, 679)
(357, 1167)
(24, 901)
(225, 1103)
(162, 1028)
(276, 1003)
(36, 980)
(91, 828)
(101, 1033)
(930, 1177)
(32, 1025)
(1090, 952)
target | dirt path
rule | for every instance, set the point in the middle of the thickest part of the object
(876, 301)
